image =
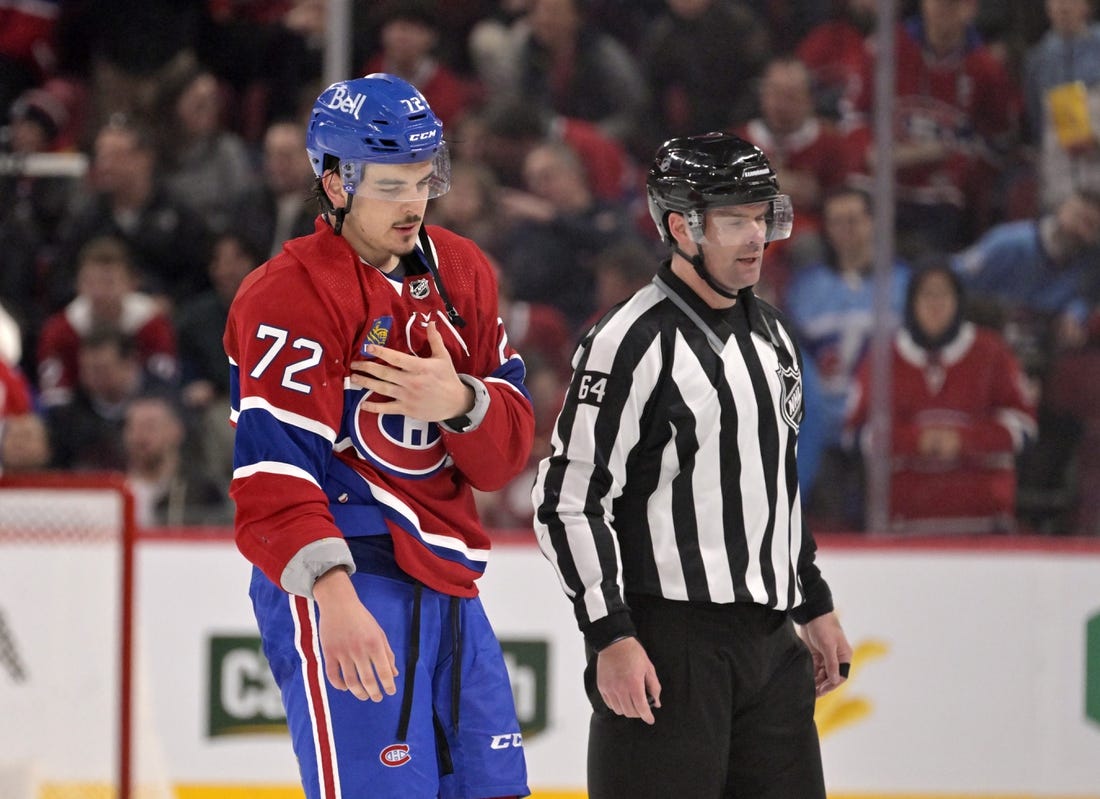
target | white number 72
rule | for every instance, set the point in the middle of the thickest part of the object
(280, 336)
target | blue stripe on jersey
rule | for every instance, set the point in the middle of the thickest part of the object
(515, 372)
(261, 437)
(441, 552)
(234, 387)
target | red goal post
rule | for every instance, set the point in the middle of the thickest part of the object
(66, 637)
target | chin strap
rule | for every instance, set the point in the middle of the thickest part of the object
(340, 213)
(701, 270)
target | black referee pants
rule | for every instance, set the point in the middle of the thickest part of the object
(736, 715)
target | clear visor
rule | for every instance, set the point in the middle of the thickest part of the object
(735, 225)
(400, 183)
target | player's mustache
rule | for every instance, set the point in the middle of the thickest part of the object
(412, 219)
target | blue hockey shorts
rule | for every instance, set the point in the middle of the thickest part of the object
(454, 735)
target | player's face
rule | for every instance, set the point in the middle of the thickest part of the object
(388, 211)
(734, 246)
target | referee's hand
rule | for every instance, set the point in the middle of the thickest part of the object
(627, 681)
(831, 651)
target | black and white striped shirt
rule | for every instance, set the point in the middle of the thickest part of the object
(673, 465)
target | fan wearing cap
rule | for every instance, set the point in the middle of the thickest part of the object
(372, 389)
(670, 508)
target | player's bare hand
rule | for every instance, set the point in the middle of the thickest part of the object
(831, 652)
(627, 680)
(358, 657)
(427, 389)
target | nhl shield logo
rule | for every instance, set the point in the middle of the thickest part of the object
(419, 289)
(790, 401)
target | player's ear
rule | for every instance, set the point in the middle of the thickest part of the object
(334, 188)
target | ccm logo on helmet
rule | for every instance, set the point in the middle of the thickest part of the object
(422, 136)
(395, 755)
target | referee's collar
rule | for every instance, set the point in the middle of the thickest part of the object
(739, 318)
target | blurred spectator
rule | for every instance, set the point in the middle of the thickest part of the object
(699, 60)
(788, 21)
(1062, 93)
(281, 207)
(270, 54)
(494, 43)
(538, 331)
(203, 364)
(125, 48)
(571, 67)
(167, 489)
(233, 43)
(35, 202)
(810, 157)
(1071, 395)
(204, 166)
(106, 296)
(832, 306)
(512, 127)
(27, 48)
(961, 412)
(37, 119)
(168, 241)
(470, 208)
(1041, 275)
(11, 338)
(24, 444)
(86, 434)
(621, 269)
(839, 57)
(409, 35)
(957, 115)
(558, 226)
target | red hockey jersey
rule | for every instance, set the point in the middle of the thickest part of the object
(311, 465)
(975, 386)
(59, 344)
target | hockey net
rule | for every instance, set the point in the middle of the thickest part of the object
(67, 648)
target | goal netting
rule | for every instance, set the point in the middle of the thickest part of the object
(72, 723)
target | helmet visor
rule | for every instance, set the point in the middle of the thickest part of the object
(732, 225)
(422, 180)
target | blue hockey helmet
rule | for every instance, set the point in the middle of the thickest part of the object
(377, 119)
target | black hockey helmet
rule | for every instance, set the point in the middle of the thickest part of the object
(693, 174)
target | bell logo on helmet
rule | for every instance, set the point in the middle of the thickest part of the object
(342, 100)
(753, 173)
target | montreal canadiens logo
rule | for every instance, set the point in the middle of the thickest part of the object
(395, 755)
(397, 444)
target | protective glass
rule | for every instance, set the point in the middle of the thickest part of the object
(731, 226)
(403, 183)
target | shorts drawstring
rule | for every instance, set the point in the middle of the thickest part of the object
(456, 667)
(410, 666)
(414, 656)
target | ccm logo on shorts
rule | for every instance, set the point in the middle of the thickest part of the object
(394, 755)
(506, 741)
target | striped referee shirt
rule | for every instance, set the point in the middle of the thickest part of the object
(672, 471)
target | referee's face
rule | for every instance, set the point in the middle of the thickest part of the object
(735, 237)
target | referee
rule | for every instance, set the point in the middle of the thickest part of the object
(670, 508)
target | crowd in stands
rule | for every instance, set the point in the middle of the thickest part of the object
(190, 117)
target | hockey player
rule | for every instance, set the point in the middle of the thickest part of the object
(373, 387)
